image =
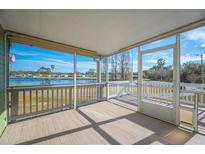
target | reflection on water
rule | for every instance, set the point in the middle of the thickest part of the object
(35, 81)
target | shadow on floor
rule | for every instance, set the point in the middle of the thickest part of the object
(163, 132)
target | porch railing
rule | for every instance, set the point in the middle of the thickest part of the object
(90, 93)
(120, 88)
(161, 93)
(30, 101)
(36, 100)
(191, 93)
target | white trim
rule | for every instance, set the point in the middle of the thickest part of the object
(163, 48)
(140, 73)
(107, 78)
(74, 80)
(98, 72)
(153, 109)
(177, 77)
(6, 75)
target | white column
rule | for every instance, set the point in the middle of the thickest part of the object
(98, 76)
(98, 70)
(107, 79)
(177, 77)
(6, 61)
(74, 80)
(139, 82)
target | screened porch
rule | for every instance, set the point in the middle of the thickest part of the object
(150, 91)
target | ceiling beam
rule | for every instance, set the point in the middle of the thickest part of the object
(15, 37)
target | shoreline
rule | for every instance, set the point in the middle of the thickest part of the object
(52, 78)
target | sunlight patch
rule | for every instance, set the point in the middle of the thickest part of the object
(126, 132)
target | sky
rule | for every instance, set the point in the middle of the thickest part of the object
(192, 43)
(31, 59)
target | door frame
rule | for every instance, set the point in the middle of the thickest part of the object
(176, 74)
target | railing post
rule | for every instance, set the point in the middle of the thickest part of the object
(118, 90)
(70, 96)
(74, 81)
(195, 114)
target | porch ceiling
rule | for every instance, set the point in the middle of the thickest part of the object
(104, 31)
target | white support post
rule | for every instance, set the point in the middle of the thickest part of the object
(74, 81)
(107, 79)
(132, 80)
(99, 91)
(6, 60)
(177, 77)
(98, 70)
(139, 83)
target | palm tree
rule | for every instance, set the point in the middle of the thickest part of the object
(52, 67)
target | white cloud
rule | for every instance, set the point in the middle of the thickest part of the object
(86, 65)
(144, 67)
(135, 62)
(196, 35)
(45, 63)
(190, 58)
(57, 61)
(155, 58)
(151, 61)
(155, 42)
(203, 45)
(22, 53)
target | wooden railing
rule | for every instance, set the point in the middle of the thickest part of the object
(36, 100)
(158, 91)
(31, 101)
(191, 93)
(120, 88)
(162, 92)
(91, 93)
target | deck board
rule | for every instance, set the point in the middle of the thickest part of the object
(99, 123)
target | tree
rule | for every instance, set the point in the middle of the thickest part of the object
(159, 71)
(91, 72)
(124, 69)
(52, 67)
(44, 70)
(104, 68)
(114, 64)
(160, 64)
(191, 73)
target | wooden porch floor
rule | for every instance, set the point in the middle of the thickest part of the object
(100, 123)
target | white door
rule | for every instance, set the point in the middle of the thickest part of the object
(158, 83)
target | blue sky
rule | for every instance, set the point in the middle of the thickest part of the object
(31, 58)
(192, 43)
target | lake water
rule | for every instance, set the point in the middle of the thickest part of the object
(34, 81)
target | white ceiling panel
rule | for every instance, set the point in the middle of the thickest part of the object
(104, 31)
